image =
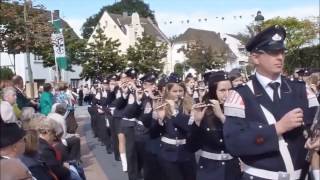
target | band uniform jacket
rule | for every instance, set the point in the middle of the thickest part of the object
(249, 130)
(208, 138)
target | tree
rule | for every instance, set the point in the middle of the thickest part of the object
(40, 30)
(129, 6)
(299, 33)
(147, 54)
(307, 57)
(201, 58)
(6, 73)
(247, 35)
(102, 57)
(179, 69)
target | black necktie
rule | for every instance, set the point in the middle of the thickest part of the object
(275, 86)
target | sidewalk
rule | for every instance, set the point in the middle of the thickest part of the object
(91, 166)
(98, 165)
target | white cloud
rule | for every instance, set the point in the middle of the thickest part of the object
(230, 24)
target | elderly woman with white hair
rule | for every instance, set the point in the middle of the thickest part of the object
(48, 132)
(70, 141)
(9, 98)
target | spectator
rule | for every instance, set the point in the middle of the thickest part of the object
(31, 158)
(6, 110)
(48, 131)
(22, 100)
(12, 141)
(80, 97)
(27, 114)
(70, 141)
(12, 169)
(236, 77)
(46, 99)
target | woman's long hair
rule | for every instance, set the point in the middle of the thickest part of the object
(210, 117)
(185, 103)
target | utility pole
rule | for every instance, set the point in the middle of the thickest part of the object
(25, 14)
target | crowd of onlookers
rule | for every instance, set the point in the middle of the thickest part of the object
(38, 138)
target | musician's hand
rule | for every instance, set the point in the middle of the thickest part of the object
(197, 112)
(217, 110)
(289, 121)
(139, 95)
(160, 113)
(313, 144)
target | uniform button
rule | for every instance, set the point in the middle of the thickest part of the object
(260, 126)
(201, 167)
(251, 177)
(160, 145)
(222, 151)
(259, 140)
(221, 140)
(208, 129)
(223, 163)
(160, 134)
(175, 129)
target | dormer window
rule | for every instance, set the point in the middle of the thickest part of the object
(106, 24)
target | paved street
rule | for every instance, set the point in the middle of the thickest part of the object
(97, 163)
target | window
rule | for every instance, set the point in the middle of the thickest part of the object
(37, 59)
(74, 83)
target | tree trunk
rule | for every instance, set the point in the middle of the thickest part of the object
(25, 13)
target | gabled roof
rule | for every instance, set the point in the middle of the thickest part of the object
(207, 38)
(149, 27)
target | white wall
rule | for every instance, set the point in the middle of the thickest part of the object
(234, 44)
(178, 57)
(112, 30)
(38, 71)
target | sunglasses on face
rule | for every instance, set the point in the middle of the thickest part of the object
(272, 52)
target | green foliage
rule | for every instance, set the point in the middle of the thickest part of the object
(299, 32)
(179, 69)
(13, 38)
(101, 57)
(303, 58)
(201, 58)
(6, 73)
(247, 35)
(40, 30)
(147, 55)
(129, 6)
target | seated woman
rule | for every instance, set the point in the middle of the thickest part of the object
(30, 157)
(48, 129)
(69, 142)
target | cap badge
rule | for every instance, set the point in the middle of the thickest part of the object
(276, 37)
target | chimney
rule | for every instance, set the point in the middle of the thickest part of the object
(125, 14)
(56, 14)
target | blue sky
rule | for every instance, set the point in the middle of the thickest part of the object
(75, 12)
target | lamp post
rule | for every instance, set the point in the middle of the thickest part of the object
(258, 22)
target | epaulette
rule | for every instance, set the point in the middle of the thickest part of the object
(295, 80)
(234, 105)
(239, 86)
